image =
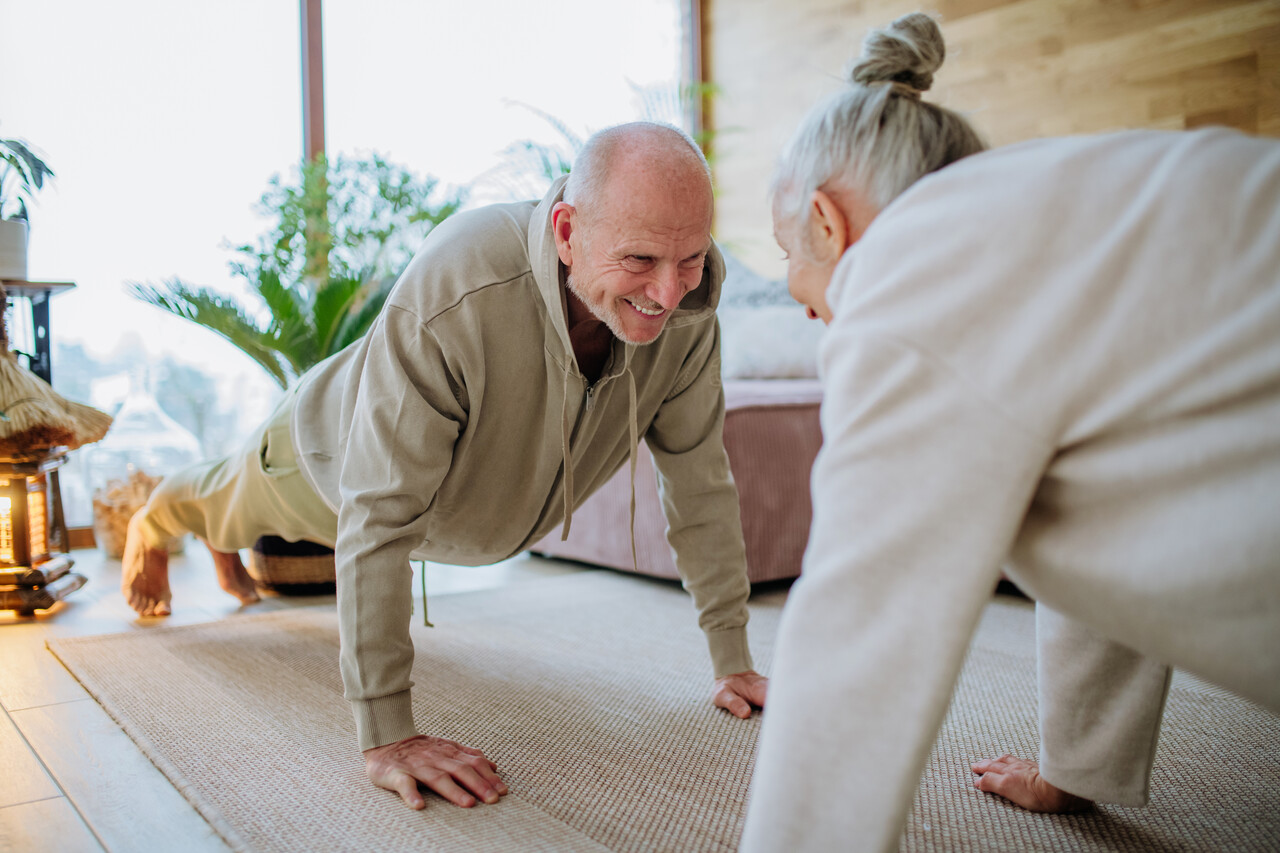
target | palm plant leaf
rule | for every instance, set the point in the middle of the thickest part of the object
(332, 303)
(219, 314)
(290, 325)
(361, 311)
(32, 167)
(22, 173)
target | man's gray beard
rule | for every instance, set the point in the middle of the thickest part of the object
(613, 321)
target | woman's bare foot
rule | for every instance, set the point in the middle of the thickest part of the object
(232, 576)
(144, 576)
(1020, 782)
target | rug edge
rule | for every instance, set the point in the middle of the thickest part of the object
(207, 813)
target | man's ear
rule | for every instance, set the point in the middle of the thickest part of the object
(562, 228)
(829, 232)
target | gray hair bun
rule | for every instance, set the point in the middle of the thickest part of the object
(907, 51)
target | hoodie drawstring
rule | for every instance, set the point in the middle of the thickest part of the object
(425, 620)
(633, 432)
(568, 460)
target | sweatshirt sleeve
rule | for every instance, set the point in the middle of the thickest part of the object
(406, 421)
(700, 502)
(918, 492)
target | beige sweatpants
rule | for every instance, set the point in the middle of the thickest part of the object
(233, 501)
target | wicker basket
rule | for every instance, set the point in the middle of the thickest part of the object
(292, 568)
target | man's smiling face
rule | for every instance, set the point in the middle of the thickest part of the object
(638, 250)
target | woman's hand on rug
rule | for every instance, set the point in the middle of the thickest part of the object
(737, 693)
(1020, 782)
(442, 765)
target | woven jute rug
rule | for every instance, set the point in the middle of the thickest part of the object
(591, 693)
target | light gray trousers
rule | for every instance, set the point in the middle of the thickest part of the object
(1100, 709)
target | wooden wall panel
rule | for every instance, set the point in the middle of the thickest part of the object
(1019, 69)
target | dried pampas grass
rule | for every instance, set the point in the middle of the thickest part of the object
(34, 417)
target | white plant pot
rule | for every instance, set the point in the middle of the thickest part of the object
(13, 248)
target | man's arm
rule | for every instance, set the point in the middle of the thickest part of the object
(704, 525)
(405, 423)
(919, 491)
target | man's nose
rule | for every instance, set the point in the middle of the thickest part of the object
(666, 289)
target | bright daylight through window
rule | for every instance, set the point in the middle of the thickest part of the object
(166, 123)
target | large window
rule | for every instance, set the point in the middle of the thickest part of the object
(164, 122)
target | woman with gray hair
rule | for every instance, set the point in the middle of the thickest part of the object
(1059, 359)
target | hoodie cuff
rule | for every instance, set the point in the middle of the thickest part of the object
(384, 720)
(729, 651)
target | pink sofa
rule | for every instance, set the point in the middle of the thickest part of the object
(772, 435)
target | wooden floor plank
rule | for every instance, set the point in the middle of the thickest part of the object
(23, 779)
(46, 826)
(128, 802)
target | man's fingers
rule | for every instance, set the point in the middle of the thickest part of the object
(993, 783)
(442, 783)
(733, 703)
(493, 765)
(481, 780)
(407, 787)
(986, 765)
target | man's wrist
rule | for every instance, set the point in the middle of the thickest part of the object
(383, 720)
(729, 651)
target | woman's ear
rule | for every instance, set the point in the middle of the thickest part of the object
(837, 225)
(828, 228)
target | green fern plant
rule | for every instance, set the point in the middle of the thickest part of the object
(342, 233)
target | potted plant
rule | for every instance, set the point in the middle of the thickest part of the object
(22, 175)
(342, 233)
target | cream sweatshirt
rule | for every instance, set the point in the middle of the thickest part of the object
(445, 435)
(1065, 354)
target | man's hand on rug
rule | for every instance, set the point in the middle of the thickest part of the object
(450, 769)
(1019, 781)
(737, 693)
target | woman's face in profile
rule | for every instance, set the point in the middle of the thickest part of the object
(807, 280)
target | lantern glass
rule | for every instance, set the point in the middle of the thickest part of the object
(24, 521)
(6, 530)
(38, 519)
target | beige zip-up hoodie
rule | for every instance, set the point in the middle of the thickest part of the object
(460, 415)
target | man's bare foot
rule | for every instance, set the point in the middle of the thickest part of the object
(232, 576)
(144, 576)
(1019, 781)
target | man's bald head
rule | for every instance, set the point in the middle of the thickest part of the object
(615, 160)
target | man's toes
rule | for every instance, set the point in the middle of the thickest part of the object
(152, 607)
